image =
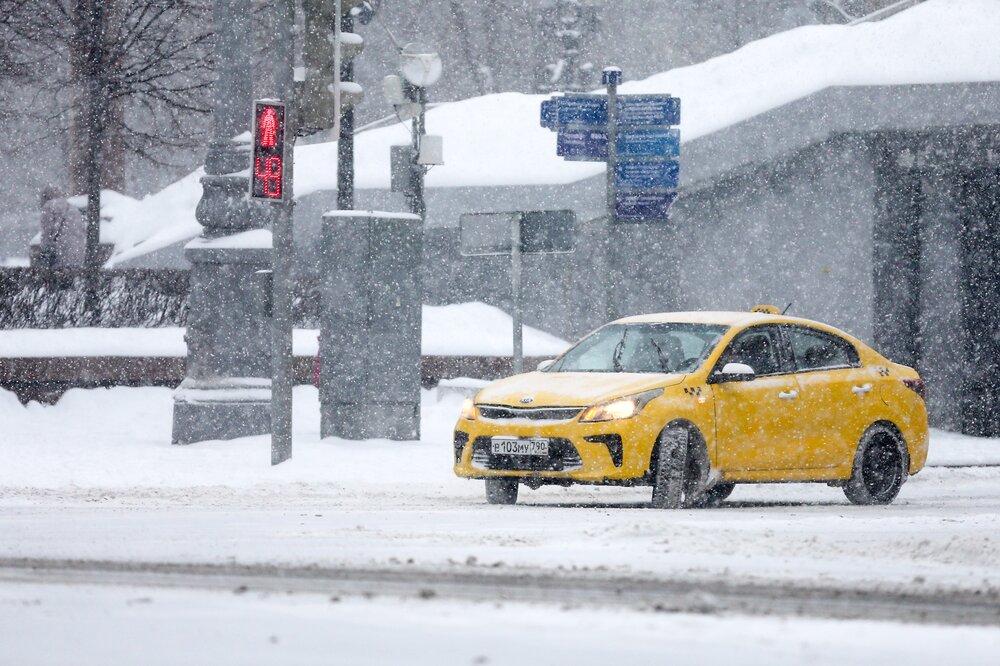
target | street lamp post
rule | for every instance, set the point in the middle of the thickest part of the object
(421, 67)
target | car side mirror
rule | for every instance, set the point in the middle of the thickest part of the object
(733, 372)
(545, 365)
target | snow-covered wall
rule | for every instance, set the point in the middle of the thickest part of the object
(797, 231)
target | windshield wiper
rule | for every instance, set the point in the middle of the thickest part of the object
(664, 362)
(616, 356)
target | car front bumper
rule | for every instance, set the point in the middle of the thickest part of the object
(582, 452)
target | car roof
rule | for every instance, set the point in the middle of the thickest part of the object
(719, 317)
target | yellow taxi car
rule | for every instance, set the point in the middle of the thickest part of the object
(692, 403)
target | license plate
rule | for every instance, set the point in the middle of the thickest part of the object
(512, 446)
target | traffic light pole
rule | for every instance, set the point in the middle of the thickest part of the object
(345, 137)
(417, 204)
(282, 380)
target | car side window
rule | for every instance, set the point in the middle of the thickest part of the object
(757, 347)
(819, 350)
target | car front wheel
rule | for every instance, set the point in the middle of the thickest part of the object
(501, 490)
(672, 479)
(880, 467)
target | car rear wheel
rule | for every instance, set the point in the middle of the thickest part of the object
(716, 495)
(501, 490)
(676, 477)
(880, 467)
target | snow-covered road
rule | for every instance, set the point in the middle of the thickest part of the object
(95, 625)
(95, 478)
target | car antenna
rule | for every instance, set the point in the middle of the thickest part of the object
(786, 308)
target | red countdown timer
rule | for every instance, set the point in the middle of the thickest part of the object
(267, 173)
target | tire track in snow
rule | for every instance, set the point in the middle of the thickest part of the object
(535, 586)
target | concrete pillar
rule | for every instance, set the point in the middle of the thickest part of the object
(980, 238)
(227, 390)
(371, 325)
(942, 334)
(896, 254)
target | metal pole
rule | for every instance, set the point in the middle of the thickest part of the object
(517, 360)
(417, 203)
(345, 137)
(96, 112)
(282, 380)
(611, 78)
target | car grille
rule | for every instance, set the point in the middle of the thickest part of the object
(505, 413)
(562, 457)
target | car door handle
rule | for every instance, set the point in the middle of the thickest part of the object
(861, 390)
(788, 395)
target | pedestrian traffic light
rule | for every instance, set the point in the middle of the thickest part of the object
(267, 173)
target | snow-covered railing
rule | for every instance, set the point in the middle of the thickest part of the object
(886, 12)
(37, 298)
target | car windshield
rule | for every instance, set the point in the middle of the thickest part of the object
(657, 348)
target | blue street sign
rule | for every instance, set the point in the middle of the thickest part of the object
(649, 143)
(549, 113)
(648, 110)
(592, 144)
(642, 206)
(582, 145)
(592, 111)
(647, 175)
(581, 111)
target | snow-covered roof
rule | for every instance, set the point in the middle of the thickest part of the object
(496, 140)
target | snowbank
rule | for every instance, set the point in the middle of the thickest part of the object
(497, 140)
(466, 329)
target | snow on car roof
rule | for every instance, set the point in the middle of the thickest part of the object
(726, 318)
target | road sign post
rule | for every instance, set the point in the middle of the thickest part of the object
(611, 77)
(517, 311)
(518, 233)
(635, 136)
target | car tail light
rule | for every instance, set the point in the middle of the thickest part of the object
(917, 386)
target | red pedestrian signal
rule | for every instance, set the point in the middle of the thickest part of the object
(267, 175)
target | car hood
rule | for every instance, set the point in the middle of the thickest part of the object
(570, 389)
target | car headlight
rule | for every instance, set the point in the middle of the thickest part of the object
(469, 411)
(619, 408)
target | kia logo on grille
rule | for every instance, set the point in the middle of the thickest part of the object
(525, 400)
